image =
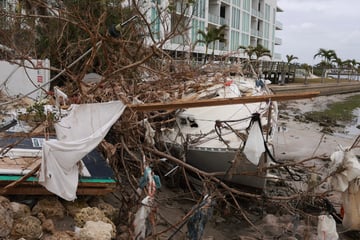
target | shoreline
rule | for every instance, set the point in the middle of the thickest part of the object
(299, 140)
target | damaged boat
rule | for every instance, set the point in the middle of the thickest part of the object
(232, 141)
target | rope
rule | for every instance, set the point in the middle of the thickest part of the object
(256, 118)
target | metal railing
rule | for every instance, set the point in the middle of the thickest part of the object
(278, 41)
(278, 25)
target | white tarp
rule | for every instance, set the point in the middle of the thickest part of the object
(77, 135)
(350, 166)
(347, 180)
(254, 145)
(351, 199)
(327, 228)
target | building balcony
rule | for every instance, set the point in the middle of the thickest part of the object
(218, 20)
(177, 40)
(218, 46)
(256, 13)
(278, 25)
(256, 33)
(182, 8)
(278, 41)
(214, 19)
(277, 57)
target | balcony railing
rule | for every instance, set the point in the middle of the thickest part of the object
(177, 40)
(218, 46)
(257, 13)
(224, 21)
(278, 25)
(218, 20)
(278, 41)
(214, 19)
(277, 56)
(256, 33)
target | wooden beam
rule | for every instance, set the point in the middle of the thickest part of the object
(222, 101)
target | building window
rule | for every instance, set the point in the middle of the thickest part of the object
(246, 5)
(245, 40)
(267, 12)
(196, 26)
(199, 8)
(155, 23)
(236, 3)
(246, 22)
(235, 18)
(267, 30)
(235, 40)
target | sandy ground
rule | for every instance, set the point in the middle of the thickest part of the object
(300, 140)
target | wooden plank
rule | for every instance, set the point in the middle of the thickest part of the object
(38, 190)
(33, 188)
(222, 101)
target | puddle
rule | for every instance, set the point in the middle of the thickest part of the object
(351, 129)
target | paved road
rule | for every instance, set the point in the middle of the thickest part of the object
(323, 88)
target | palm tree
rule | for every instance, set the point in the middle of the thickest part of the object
(210, 37)
(307, 69)
(339, 64)
(258, 51)
(289, 59)
(327, 56)
(352, 64)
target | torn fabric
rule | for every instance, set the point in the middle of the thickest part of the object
(351, 169)
(77, 135)
(254, 146)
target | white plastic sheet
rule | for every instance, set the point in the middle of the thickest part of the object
(254, 146)
(140, 218)
(347, 181)
(327, 228)
(349, 162)
(351, 200)
(77, 135)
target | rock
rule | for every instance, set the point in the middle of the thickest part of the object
(62, 236)
(92, 214)
(46, 224)
(110, 212)
(28, 227)
(96, 231)
(20, 210)
(74, 207)
(6, 219)
(270, 219)
(51, 207)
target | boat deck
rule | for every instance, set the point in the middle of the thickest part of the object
(19, 165)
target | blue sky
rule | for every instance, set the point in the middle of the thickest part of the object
(309, 25)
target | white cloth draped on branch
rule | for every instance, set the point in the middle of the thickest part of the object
(77, 134)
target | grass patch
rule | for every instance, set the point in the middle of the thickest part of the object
(338, 111)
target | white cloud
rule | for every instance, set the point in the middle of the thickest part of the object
(313, 24)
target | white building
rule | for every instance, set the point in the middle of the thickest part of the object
(249, 23)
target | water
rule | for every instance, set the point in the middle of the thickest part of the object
(345, 76)
(351, 129)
